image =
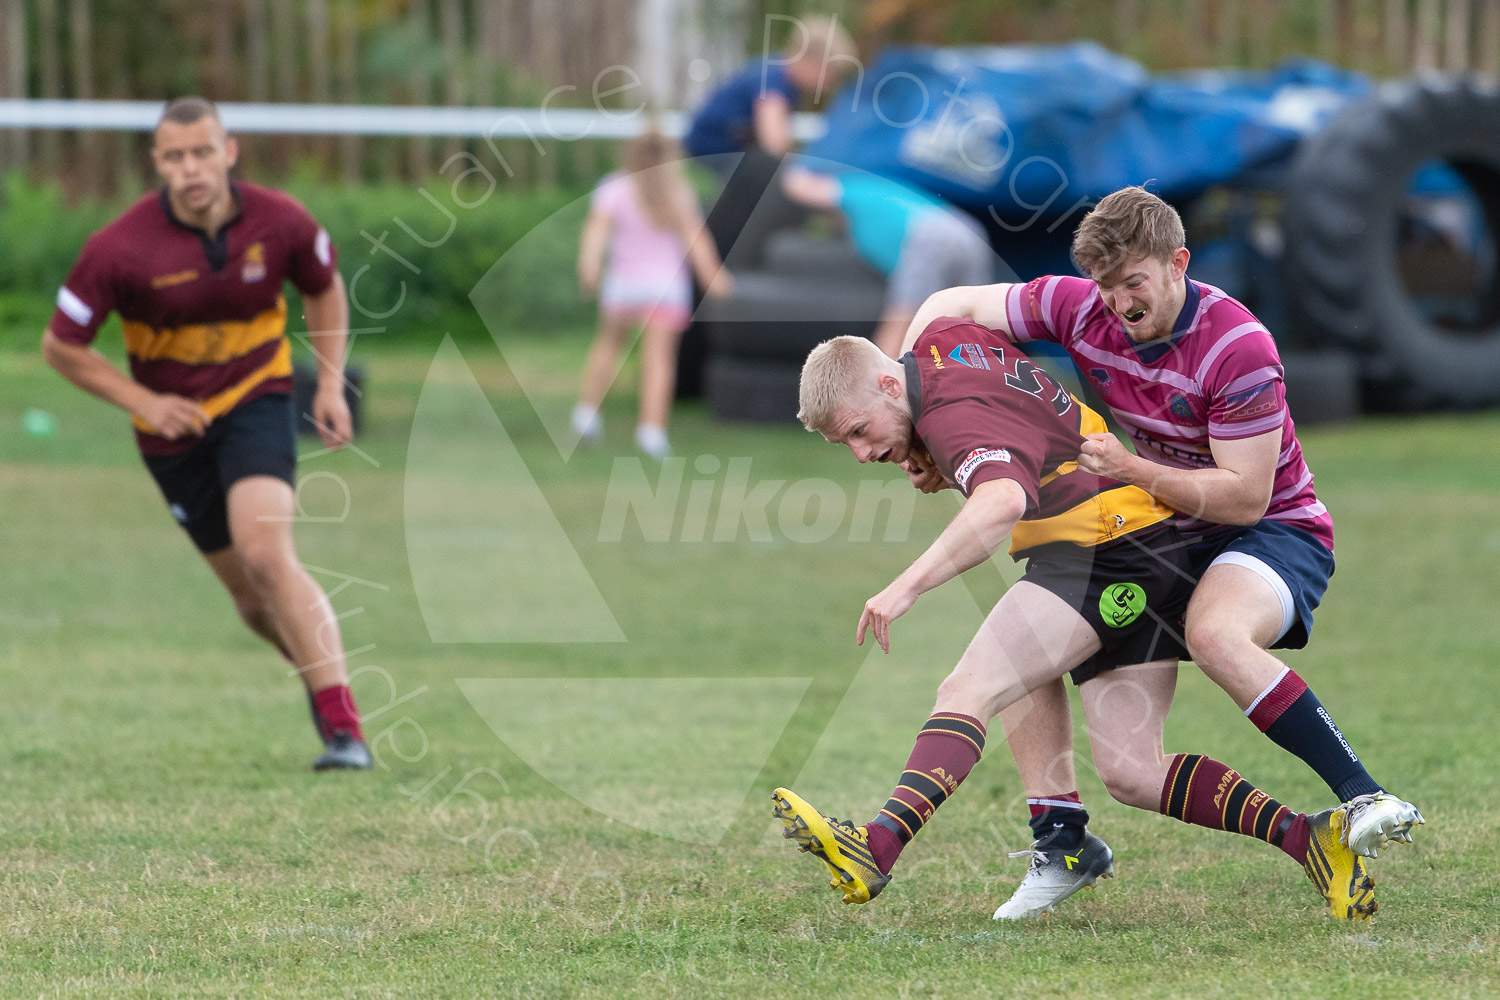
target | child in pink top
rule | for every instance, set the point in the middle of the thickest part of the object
(647, 219)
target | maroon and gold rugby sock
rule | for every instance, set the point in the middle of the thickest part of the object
(1204, 792)
(947, 749)
(333, 708)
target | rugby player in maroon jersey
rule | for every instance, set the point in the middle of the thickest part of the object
(1104, 585)
(1196, 382)
(195, 271)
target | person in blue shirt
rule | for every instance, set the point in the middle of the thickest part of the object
(753, 108)
(744, 128)
(920, 243)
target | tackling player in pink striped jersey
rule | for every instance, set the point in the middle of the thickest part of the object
(1195, 380)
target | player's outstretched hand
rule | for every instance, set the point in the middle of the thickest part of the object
(174, 417)
(330, 413)
(923, 472)
(882, 609)
(1104, 455)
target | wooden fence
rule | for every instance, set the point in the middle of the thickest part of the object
(492, 52)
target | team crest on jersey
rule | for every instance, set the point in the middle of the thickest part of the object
(1099, 376)
(1180, 408)
(255, 263)
(970, 355)
(974, 459)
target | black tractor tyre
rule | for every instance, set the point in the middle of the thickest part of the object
(799, 254)
(778, 317)
(759, 391)
(1344, 201)
(1321, 387)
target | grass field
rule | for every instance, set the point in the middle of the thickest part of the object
(590, 818)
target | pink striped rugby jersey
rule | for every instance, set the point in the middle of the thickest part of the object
(1217, 376)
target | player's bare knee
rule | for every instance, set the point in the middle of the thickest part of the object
(1214, 642)
(266, 564)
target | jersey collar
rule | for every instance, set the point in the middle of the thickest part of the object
(913, 384)
(1152, 352)
(216, 247)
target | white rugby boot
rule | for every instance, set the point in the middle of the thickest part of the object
(1055, 875)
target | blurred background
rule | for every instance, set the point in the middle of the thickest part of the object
(1338, 166)
(512, 52)
(59, 184)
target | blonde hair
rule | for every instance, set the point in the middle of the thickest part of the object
(655, 167)
(1128, 224)
(836, 372)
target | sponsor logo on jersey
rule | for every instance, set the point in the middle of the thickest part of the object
(937, 359)
(970, 356)
(975, 459)
(255, 263)
(175, 278)
(1257, 401)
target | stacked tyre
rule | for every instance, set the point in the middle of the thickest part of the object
(1344, 210)
(811, 289)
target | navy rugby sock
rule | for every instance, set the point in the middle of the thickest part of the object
(1058, 822)
(1290, 714)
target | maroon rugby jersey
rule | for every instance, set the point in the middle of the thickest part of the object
(985, 411)
(202, 318)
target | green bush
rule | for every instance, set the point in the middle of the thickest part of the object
(512, 249)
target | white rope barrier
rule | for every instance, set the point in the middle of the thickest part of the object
(562, 124)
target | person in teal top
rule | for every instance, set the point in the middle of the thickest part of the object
(920, 244)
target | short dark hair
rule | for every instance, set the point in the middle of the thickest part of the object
(187, 110)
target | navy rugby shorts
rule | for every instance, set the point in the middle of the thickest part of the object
(253, 439)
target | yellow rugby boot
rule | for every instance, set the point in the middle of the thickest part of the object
(839, 844)
(1338, 872)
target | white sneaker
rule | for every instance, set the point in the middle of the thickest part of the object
(652, 440)
(588, 424)
(1055, 875)
(1371, 822)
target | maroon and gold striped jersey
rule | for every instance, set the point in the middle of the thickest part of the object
(985, 411)
(203, 317)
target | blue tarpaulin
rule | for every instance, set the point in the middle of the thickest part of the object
(1034, 131)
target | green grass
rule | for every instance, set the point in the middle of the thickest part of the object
(160, 834)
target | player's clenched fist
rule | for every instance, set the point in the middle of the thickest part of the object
(1104, 455)
(923, 472)
(173, 417)
(882, 609)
